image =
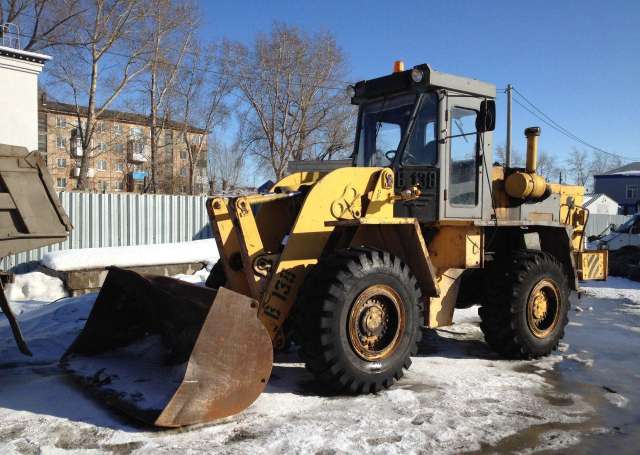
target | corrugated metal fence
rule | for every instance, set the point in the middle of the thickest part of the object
(598, 223)
(102, 220)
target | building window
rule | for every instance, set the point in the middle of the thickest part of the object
(102, 185)
(119, 167)
(117, 128)
(61, 162)
(102, 165)
(61, 182)
(102, 147)
(183, 154)
(183, 171)
(99, 127)
(119, 148)
(61, 142)
(136, 132)
(632, 191)
(119, 186)
(61, 122)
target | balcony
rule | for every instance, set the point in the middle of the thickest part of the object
(137, 151)
(138, 176)
(76, 147)
(91, 172)
(137, 158)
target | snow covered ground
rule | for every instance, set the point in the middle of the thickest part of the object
(457, 396)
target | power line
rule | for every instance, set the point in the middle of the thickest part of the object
(541, 115)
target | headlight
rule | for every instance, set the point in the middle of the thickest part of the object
(351, 91)
(416, 75)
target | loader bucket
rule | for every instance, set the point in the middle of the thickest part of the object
(170, 353)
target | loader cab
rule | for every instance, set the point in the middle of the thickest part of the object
(434, 130)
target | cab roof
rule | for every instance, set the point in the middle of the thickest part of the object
(401, 82)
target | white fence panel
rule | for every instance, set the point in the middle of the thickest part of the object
(599, 223)
(113, 219)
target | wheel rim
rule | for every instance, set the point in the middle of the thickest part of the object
(376, 322)
(543, 308)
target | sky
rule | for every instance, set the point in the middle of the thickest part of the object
(578, 61)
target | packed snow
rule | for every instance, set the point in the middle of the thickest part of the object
(458, 396)
(136, 373)
(131, 256)
(35, 286)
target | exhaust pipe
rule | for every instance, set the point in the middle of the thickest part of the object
(528, 184)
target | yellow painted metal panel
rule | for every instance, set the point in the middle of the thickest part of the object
(457, 247)
(308, 238)
(440, 310)
(593, 265)
(228, 242)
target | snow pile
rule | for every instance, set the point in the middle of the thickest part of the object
(199, 277)
(131, 256)
(614, 288)
(35, 286)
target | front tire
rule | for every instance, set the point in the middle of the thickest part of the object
(358, 320)
(525, 305)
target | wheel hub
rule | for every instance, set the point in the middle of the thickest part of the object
(372, 320)
(543, 308)
(376, 321)
(540, 305)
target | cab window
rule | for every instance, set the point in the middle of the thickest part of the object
(382, 126)
(463, 175)
(422, 148)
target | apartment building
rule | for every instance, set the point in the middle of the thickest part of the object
(120, 155)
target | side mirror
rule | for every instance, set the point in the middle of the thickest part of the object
(390, 155)
(486, 120)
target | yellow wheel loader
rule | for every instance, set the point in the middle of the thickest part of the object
(351, 263)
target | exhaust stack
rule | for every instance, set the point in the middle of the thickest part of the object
(532, 134)
(528, 184)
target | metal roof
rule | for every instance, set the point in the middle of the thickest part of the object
(631, 169)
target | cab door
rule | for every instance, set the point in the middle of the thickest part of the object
(462, 172)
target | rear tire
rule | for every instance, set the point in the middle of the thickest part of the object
(358, 320)
(525, 305)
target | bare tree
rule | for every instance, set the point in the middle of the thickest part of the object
(578, 166)
(42, 23)
(288, 82)
(602, 162)
(228, 160)
(547, 166)
(201, 93)
(171, 23)
(108, 54)
(517, 157)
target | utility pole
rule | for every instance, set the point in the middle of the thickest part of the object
(507, 154)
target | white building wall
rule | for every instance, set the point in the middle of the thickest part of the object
(19, 98)
(603, 205)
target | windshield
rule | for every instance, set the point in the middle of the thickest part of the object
(624, 227)
(382, 126)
